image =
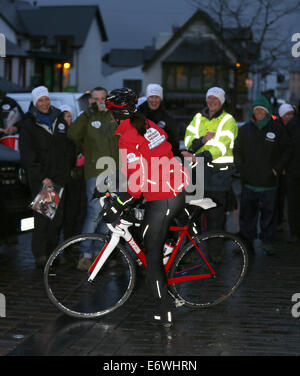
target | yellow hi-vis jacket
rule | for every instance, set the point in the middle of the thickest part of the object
(221, 145)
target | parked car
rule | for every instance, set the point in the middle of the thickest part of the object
(16, 216)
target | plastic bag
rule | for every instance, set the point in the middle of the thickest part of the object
(47, 200)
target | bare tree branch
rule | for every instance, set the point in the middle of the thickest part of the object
(259, 16)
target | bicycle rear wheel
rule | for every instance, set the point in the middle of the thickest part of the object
(213, 281)
(68, 288)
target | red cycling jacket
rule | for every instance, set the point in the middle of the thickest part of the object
(149, 163)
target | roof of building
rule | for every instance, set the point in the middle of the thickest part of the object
(9, 11)
(53, 21)
(199, 51)
(128, 57)
(13, 49)
(231, 39)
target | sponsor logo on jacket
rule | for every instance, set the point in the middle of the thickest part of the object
(270, 136)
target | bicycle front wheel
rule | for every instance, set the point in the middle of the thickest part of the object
(208, 272)
(71, 292)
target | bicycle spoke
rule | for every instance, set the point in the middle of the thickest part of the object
(202, 284)
(70, 290)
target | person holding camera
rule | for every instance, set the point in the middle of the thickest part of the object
(93, 133)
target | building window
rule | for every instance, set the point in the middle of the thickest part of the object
(196, 77)
(135, 85)
(8, 68)
(193, 77)
(169, 77)
(209, 76)
(63, 45)
(182, 77)
(22, 72)
(37, 43)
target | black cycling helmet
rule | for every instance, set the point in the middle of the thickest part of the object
(121, 102)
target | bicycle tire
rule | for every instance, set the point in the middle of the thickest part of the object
(230, 269)
(69, 290)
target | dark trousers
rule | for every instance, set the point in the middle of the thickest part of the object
(75, 207)
(281, 195)
(216, 217)
(158, 216)
(293, 201)
(46, 233)
(251, 204)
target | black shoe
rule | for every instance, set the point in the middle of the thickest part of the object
(268, 249)
(163, 319)
(293, 239)
(40, 262)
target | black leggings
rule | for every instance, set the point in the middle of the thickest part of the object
(158, 216)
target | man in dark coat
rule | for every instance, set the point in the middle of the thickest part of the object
(291, 121)
(153, 108)
(47, 156)
(261, 152)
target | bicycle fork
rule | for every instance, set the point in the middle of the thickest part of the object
(103, 256)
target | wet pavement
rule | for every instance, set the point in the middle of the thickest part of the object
(257, 320)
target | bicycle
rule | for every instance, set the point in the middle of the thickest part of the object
(194, 281)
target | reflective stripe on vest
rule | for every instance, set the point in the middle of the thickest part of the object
(215, 141)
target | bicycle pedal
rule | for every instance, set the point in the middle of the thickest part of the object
(179, 303)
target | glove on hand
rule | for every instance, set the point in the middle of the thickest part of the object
(112, 210)
(116, 206)
(196, 144)
(93, 108)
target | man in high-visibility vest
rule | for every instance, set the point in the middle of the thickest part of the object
(211, 134)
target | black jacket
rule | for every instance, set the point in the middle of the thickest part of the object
(293, 129)
(257, 152)
(45, 153)
(165, 120)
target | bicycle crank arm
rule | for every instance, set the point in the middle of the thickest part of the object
(103, 256)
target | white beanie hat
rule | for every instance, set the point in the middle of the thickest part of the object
(284, 108)
(154, 89)
(217, 92)
(66, 107)
(38, 92)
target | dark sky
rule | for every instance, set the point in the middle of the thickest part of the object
(134, 23)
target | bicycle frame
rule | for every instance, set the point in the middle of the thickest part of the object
(121, 230)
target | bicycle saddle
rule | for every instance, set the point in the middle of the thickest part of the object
(204, 203)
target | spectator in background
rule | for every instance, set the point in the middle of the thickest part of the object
(93, 132)
(11, 115)
(154, 109)
(75, 195)
(262, 151)
(286, 113)
(212, 134)
(291, 122)
(47, 156)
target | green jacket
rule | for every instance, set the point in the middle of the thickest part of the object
(221, 146)
(94, 134)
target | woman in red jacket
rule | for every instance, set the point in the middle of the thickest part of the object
(154, 173)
